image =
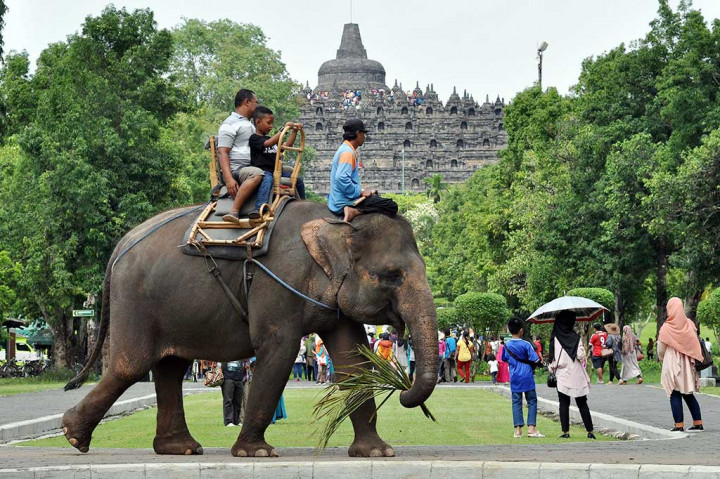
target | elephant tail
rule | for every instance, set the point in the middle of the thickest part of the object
(82, 376)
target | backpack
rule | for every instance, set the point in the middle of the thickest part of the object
(707, 359)
(384, 351)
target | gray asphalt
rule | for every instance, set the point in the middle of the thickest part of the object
(645, 404)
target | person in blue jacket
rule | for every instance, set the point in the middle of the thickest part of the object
(345, 189)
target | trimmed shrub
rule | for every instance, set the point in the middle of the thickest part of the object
(708, 312)
(482, 311)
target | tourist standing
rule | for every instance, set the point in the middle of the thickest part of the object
(232, 392)
(630, 366)
(311, 365)
(493, 365)
(400, 350)
(503, 375)
(678, 348)
(463, 357)
(299, 362)
(321, 357)
(597, 343)
(650, 351)
(411, 360)
(518, 353)
(442, 353)
(614, 342)
(570, 368)
(451, 345)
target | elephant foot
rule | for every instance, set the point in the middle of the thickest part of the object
(179, 445)
(371, 448)
(253, 449)
(76, 431)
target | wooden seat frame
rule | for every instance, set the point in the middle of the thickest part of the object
(256, 227)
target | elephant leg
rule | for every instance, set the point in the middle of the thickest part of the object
(172, 435)
(275, 359)
(341, 344)
(79, 422)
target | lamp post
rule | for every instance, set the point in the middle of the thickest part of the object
(403, 171)
(543, 46)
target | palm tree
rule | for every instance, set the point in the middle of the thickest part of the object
(435, 187)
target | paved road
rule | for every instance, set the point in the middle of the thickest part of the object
(644, 404)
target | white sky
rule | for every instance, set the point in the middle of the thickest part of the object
(484, 46)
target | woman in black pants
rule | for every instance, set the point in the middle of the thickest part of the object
(570, 367)
(614, 342)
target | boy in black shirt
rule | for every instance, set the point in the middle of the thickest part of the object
(263, 150)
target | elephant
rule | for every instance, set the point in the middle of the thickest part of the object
(161, 309)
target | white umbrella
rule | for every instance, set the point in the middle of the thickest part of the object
(585, 309)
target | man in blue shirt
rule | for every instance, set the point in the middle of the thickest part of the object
(450, 347)
(519, 354)
(345, 190)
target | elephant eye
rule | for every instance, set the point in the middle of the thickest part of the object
(394, 277)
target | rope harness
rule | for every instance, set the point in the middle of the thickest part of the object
(240, 305)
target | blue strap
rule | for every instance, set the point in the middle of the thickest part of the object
(276, 278)
(154, 230)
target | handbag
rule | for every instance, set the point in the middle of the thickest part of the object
(214, 377)
(707, 359)
(607, 352)
(640, 356)
(552, 378)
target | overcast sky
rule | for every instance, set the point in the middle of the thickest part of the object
(484, 46)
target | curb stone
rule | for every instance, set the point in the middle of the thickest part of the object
(374, 469)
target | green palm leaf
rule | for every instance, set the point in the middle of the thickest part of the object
(343, 398)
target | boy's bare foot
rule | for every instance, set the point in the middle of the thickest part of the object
(350, 213)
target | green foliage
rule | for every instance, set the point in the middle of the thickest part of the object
(482, 311)
(3, 10)
(9, 276)
(708, 312)
(447, 317)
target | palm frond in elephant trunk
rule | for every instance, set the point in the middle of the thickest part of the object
(379, 377)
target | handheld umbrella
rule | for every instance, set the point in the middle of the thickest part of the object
(585, 309)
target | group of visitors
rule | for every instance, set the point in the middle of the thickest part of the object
(313, 361)
(354, 98)
(607, 344)
(390, 346)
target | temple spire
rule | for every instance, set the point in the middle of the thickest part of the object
(351, 45)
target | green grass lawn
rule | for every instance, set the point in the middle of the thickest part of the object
(465, 417)
(711, 390)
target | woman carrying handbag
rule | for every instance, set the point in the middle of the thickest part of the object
(570, 368)
(630, 366)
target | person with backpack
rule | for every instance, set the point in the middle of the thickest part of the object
(449, 362)
(521, 355)
(679, 349)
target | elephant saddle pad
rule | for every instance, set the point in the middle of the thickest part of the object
(222, 239)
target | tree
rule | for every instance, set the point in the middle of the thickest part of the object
(435, 187)
(96, 160)
(447, 318)
(708, 312)
(482, 311)
(3, 10)
(9, 276)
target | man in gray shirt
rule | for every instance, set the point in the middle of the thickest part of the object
(240, 178)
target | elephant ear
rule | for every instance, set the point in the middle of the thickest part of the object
(327, 242)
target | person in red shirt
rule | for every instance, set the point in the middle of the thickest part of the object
(597, 343)
(538, 347)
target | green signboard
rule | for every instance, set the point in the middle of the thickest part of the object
(79, 313)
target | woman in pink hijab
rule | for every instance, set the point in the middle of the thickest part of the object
(678, 348)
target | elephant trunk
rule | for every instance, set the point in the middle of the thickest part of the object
(417, 310)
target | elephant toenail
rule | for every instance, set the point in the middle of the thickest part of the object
(274, 453)
(84, 449)
(389, 452)
(375, 453)
(199, 450)
(241, 453)
(65, 430)
(188, 451)
(261, 453)
(73, 442)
